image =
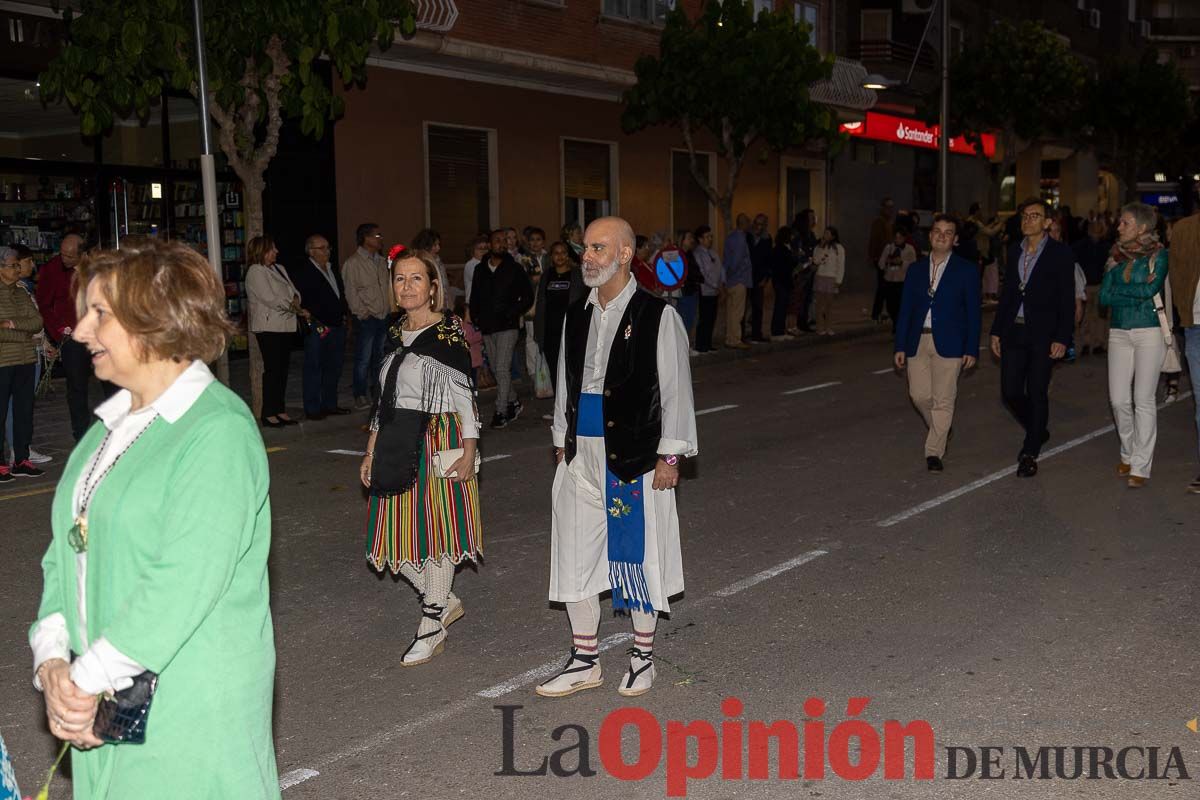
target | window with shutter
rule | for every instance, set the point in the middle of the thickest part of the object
(587, 185)
(459, 186)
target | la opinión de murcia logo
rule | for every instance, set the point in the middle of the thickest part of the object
(905, 134)
(735, 749)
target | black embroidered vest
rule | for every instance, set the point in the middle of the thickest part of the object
(632, 405)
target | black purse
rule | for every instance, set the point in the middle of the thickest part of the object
(121, 718)
(398, 445)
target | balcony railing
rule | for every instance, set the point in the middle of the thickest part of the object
(886, 51)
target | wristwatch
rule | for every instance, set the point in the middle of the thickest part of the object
(671, 460)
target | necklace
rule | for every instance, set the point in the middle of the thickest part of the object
(78, 535)
(934, 269)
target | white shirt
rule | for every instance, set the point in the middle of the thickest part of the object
(102, 667)
(674, 373)
(408, 389)
(937, 280)
(468, 275)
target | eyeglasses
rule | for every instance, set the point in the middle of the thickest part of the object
(14, 265)
(319, 247)
(1033, 217)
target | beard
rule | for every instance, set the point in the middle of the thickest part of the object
(604, 276)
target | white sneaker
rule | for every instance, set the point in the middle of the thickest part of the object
(39, 458)
(580, 672)
(640, 676)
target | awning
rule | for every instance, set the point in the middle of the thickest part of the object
(844, 88)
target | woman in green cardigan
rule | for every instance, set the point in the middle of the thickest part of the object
(1136, 272)
(161, 530)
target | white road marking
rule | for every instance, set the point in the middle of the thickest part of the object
(812, 388)
(998, 474)
(767, 574)
(545, 670)
(347, 452)
(883, 371)
(296, 776)
(496, 457)
(519, 681)
(714, 410)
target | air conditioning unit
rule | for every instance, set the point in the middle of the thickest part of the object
(1093, 18)
(1144, 28)
(918, 6)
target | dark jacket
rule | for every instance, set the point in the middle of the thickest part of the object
(1091, 255)
(956, 317)
(632, 399)
(783, 265)
(575, 293)
(498, 299)
(1049, 296)
(317, 295)
(760, 257)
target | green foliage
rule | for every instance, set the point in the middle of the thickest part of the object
(1021, 80)
(121, 54)
(743, 79)
(1138, 112)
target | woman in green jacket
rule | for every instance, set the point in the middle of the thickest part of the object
(1137, 269)
(158, 561)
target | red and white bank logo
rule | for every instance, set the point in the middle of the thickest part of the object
(854, 749)
(919, 135)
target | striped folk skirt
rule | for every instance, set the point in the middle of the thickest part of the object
(435, 519)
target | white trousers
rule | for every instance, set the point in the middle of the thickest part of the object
(1135, 359)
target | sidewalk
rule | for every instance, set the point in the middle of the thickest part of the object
(52, 429)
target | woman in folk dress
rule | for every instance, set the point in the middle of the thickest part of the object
(419, 524)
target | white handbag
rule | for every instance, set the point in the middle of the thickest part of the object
(444, 459)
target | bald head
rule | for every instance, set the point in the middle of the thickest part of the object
(69, 249)
(608, 245)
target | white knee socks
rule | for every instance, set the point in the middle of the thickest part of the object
(433, 581)
(643, 630)
(585, 623)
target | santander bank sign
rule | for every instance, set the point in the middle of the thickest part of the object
(886, 128)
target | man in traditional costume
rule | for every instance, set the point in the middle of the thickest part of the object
(624, 421)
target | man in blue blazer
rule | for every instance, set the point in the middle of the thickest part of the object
(937, 332)
(1033, 326)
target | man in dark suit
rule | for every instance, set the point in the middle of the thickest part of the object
(1033, 326)
(323, 295)
(937, 332)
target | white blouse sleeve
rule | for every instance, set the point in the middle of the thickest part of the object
(675, 388)
(468, 413)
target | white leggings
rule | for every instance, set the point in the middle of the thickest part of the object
(1135, 359)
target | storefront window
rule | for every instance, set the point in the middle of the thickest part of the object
(459, 173)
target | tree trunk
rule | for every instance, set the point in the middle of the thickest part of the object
(252, 193)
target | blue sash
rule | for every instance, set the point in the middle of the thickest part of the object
(626, 520)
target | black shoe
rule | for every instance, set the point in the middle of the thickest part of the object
(514, 410)
(499, 421)
(933, 463)
(337, 411)
(26, 469)
(269, 424)
(289, 421)
(1026, 466)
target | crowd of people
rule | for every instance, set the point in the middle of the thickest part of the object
(147, 602)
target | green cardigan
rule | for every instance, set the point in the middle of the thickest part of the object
(1133, 303)
(179, 533)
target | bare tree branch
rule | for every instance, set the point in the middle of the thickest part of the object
(694, 164)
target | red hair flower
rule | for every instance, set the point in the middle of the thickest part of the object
(395, 251)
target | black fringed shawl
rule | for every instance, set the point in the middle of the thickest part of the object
(446, 366)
